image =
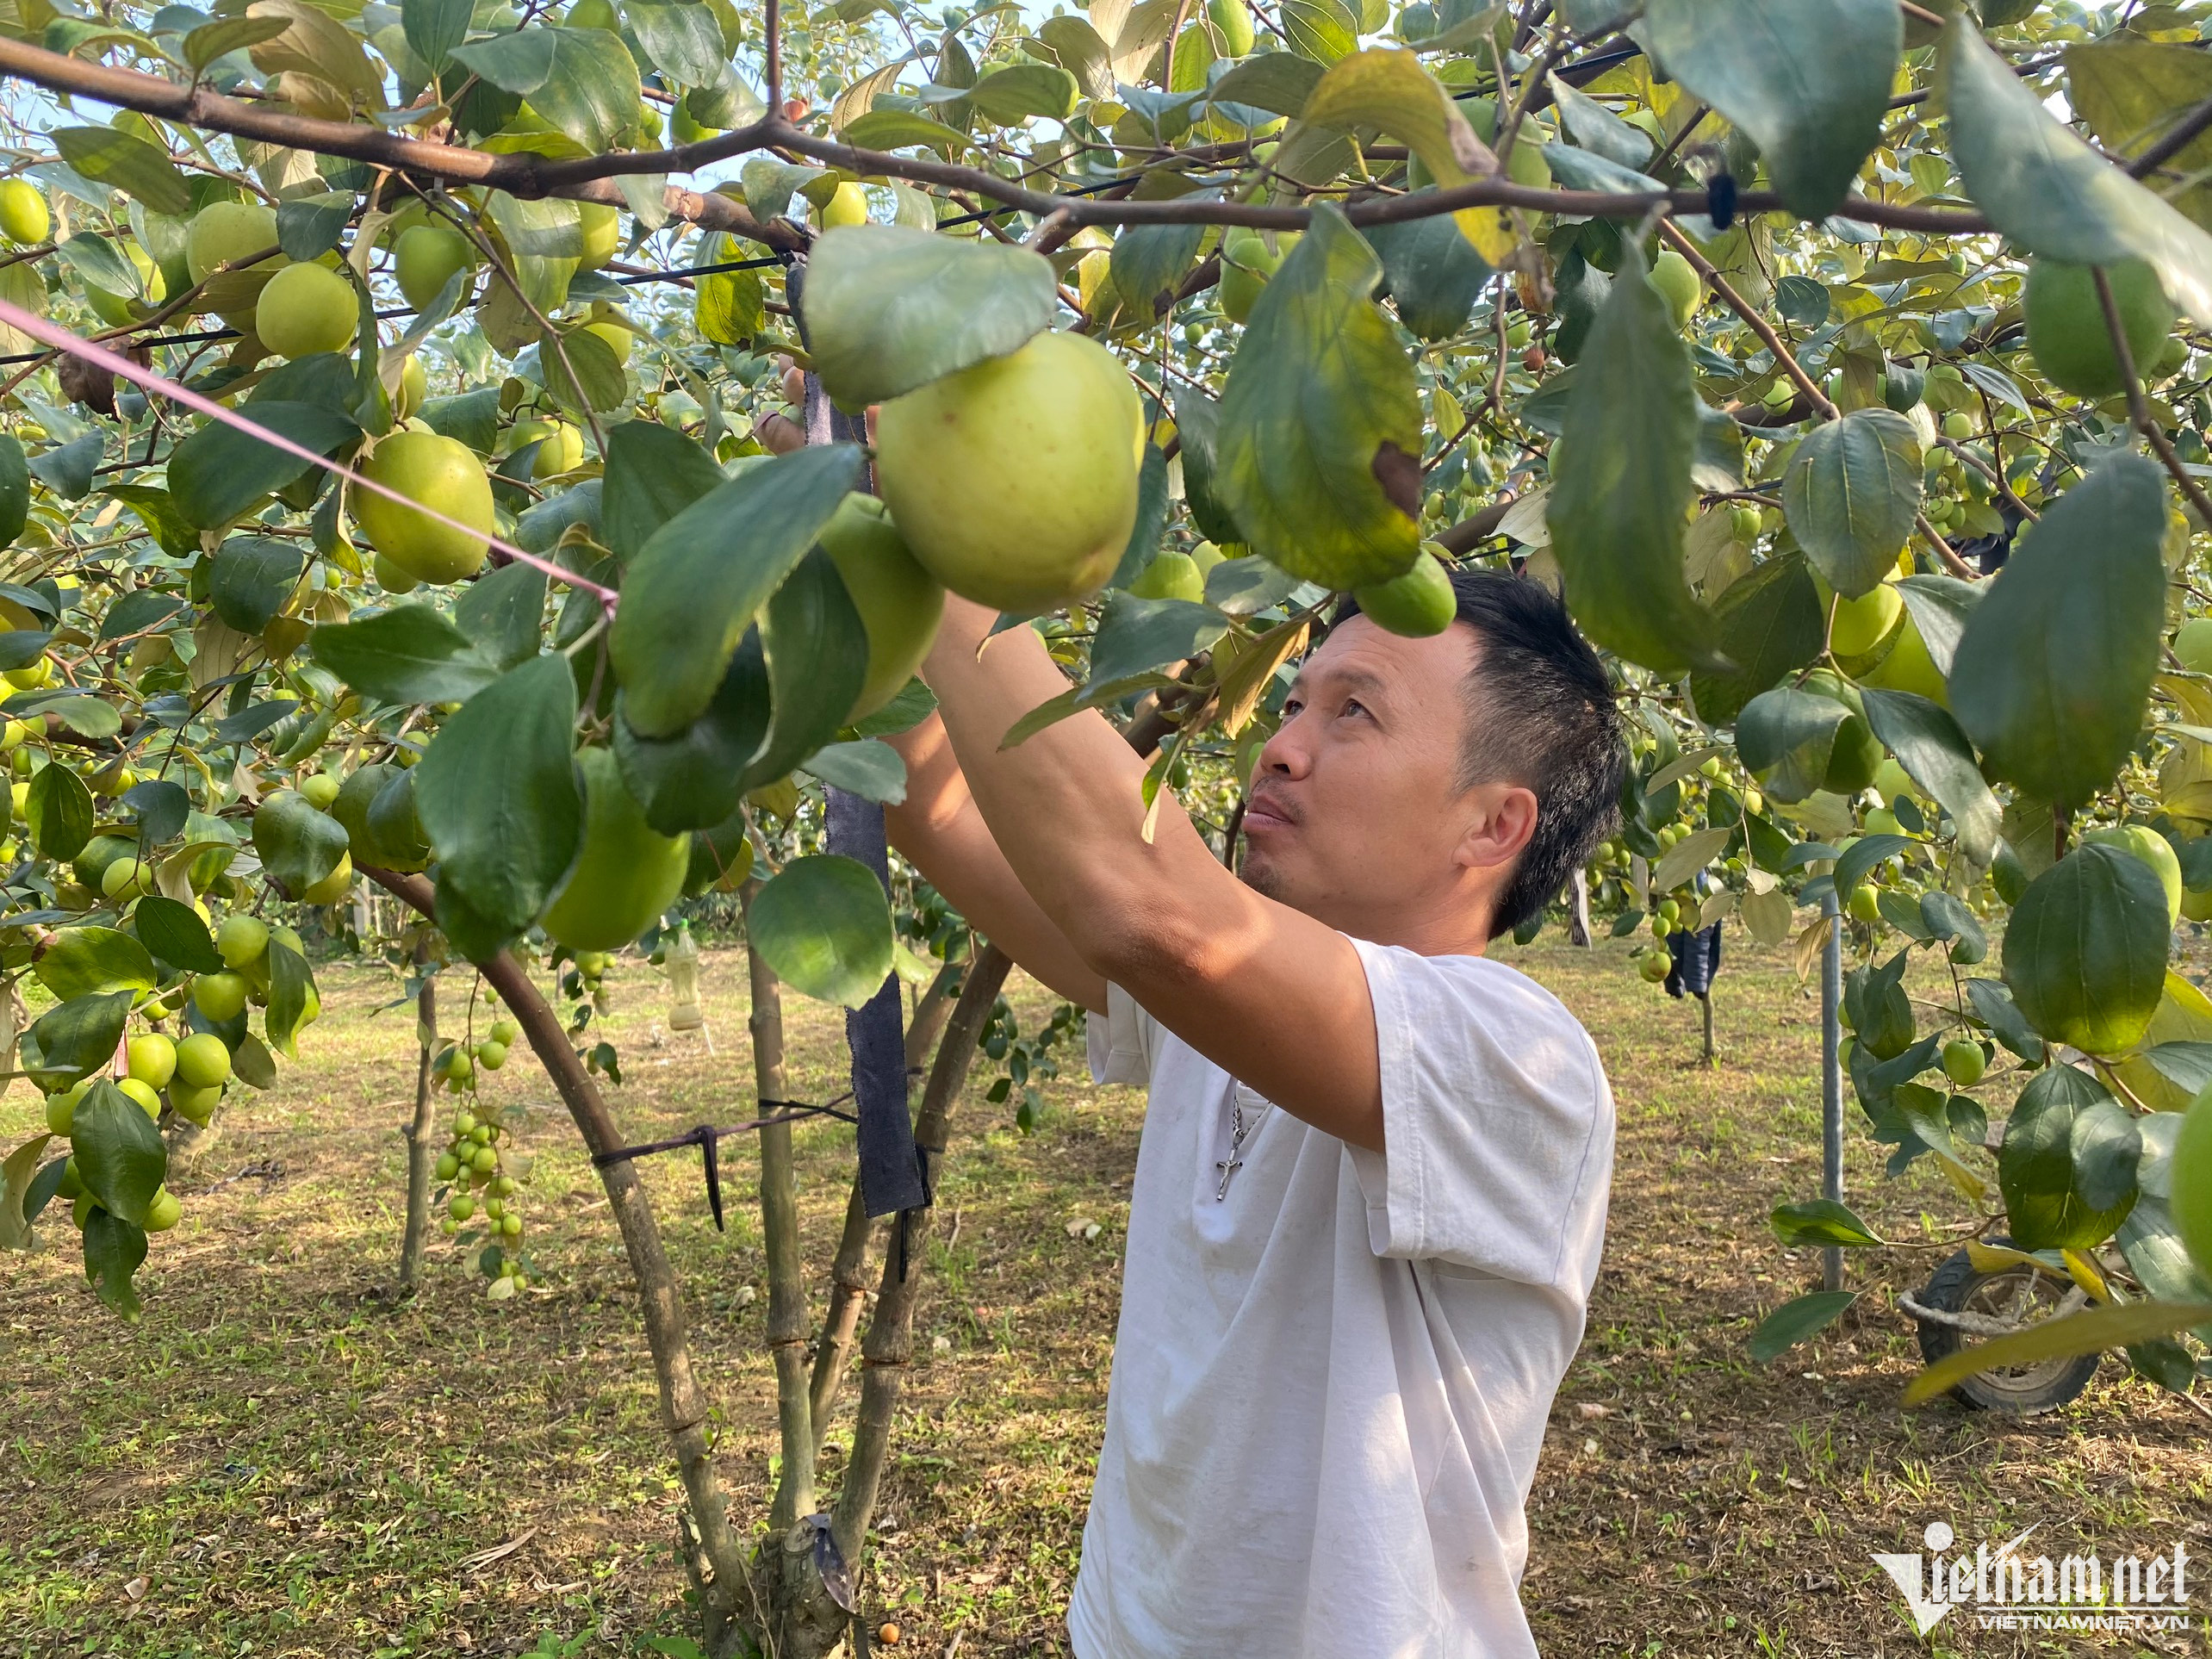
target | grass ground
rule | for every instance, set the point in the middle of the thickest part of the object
(280, 1460)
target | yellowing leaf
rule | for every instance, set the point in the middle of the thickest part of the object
(1387, 88)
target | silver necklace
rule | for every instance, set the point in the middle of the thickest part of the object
(1238, 1129)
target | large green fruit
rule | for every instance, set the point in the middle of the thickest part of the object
(2155, 850)
(2192, 643)
(424, 258)
(1232, 20)
(202, 1061)
(626, 874)
(352, 810)
(899, 602)
(2067, 334)
(444, 473)
(848, 205)
(1678, 280)
(2086, 949)
(602, 228)
(1420, 603)
(2191, 1198)
(223, 231)
(1908, 667)
(1861, 624)
(24, 219)
(306, 309)
(1247, 262)
(395, 829)
(1015, 482)
(97, 853)
(1171, 575)
(1857, 754)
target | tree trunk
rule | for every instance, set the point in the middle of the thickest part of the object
(890, 1341)
(794, 1495)
(848, 1284)
(1578, 920)
(1705, 1003)
(712, 1557)
(421, 1139)
(188, 1142)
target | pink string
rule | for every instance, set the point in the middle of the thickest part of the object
(62, 340)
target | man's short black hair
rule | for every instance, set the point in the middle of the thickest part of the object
(1540, 712)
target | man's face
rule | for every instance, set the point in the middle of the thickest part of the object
(1355, 814)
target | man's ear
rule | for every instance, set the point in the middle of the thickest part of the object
(1500, 827)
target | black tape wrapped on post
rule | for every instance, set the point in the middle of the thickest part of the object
(894, 1176)
(1696, 960)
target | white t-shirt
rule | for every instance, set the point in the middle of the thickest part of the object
(1329, 1389)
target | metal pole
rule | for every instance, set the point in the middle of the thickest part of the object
(1832, 1079)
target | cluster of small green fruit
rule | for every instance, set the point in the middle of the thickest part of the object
(481, 1179)
(193, 1071)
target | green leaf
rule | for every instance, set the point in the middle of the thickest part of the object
(1939, 606)
(823, 925)
(1785, 736)
(2131, 90)
(816, 650)
(1796, 1320)
(114, 1250)
(696, 587)
(1197, 424)
(1768, 624)
(2054, 671)
(1851, 493)
(308, 227)
(497, 794)
(176, 935)
(1809, 82)
(1821, 1221)
(219, 472)
(59, 808)
(67, 469)
(1621, 478)
(503, 614)
(652, 472)
(1317, 456)
(14, 489)
(732, 305)
(2086, 949)
(144, 610)
(1432, 273)
(2046, 190)
(163, 809)
(471, 417)
(889, 308)
(119, 1155)
(1136, 634)
(107, 155)
(17, 1171)
(868, 769)
(252, 578)
(1930, 746)
(69, 1043)
(1148, 261)
(1597, 130)
(434, 28)
(1387, 90)
(1994, 1008)
(900, 129)
(298, 843)
(89, 961)
(203, 45)
(1277, 82)
(2091, 1331)
(694, 779)
(1322, 30)
(409, 654)
(583, 372)
(583, 81)
(290, 987)
(1009, 96)
(680, 37)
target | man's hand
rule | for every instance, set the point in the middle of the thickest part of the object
(1042, 846)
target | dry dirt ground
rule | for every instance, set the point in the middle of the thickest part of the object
(279, 1460)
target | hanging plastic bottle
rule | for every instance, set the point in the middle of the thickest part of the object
(682, 964)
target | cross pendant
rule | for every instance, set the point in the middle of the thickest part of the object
(1229, 1166)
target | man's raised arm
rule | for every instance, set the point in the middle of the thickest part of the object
(1272, 995)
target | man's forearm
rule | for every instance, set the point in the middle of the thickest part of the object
(1066, 804)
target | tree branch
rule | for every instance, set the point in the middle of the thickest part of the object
(684, 1411)
(526, 174)
(2139, 406)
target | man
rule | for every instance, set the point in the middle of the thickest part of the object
(1370, 1189)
